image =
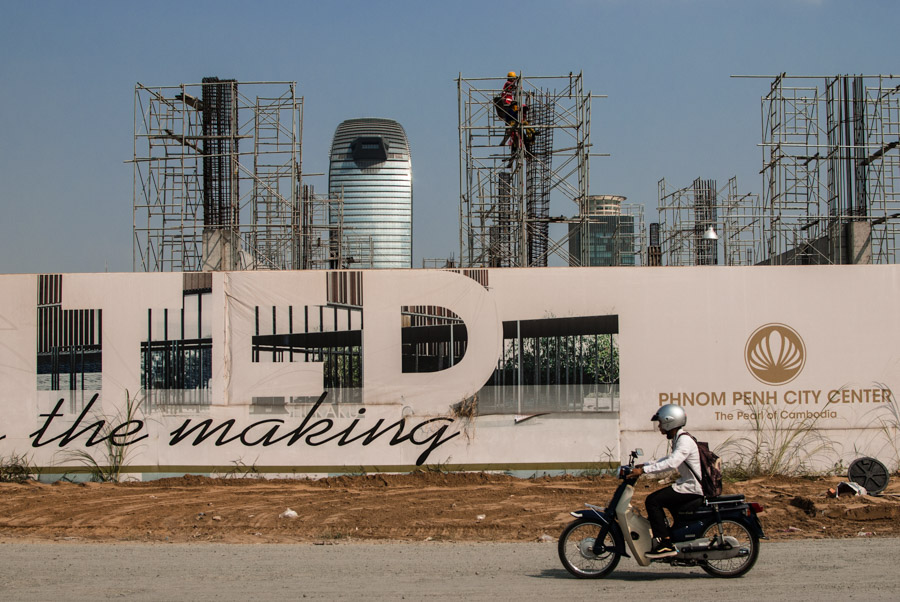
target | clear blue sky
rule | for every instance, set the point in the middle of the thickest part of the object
(68, 71)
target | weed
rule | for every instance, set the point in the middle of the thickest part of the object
(466, 411)
(17, 468)
(775, 446)
(604, 467)
(241, 470)
(116, 453)
(436, 468)
(333, 535)
(887, 422)
(837, 469)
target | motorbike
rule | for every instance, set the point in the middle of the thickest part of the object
(720, 535)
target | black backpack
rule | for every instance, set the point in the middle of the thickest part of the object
(710, 476)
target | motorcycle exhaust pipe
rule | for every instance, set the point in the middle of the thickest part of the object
(704, 553)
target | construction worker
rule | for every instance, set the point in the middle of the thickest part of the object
(505, 102)
(509, 88)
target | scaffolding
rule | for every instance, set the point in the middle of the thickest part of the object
(512, 160)
(831, 169)
(439, 263)
(629, 237)
(698, 220)
(217, 176)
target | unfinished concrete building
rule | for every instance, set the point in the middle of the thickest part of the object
(830, 189)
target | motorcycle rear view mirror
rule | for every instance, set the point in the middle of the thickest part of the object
(639, 452)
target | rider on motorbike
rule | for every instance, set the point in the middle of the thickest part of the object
(685, 457)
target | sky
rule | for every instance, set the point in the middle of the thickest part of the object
(671, 109)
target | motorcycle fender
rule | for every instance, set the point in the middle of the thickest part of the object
(751, 521)
(612, 525)
(590, 513)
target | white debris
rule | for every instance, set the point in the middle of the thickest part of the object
(288, 514)
(854, 489)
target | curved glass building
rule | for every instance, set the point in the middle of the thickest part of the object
(370, 167)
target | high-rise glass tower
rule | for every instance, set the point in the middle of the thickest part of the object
(607, 235)
(370, 169)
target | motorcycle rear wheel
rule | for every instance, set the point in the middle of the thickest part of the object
(737, 566)
(575, 550)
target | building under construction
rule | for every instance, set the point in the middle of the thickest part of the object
(831, 183)
(217, 181)
(831, 169)
(217, 176)
(521, 143)
(699, 220)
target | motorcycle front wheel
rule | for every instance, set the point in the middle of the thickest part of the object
(576, 546)
(746, 539)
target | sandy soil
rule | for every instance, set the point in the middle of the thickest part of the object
(415, 507)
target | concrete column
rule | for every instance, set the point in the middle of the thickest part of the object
(859, 243)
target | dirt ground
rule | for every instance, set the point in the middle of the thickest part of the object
(415, 507)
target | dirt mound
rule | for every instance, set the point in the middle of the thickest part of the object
(426, 505)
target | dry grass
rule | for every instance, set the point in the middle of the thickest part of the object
(775, 446)
(115, 455)
(17, 468)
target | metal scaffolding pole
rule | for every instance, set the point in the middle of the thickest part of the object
(517, 159)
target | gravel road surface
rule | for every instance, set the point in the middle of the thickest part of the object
(859, 569)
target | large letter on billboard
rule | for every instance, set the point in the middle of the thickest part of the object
(429, 392)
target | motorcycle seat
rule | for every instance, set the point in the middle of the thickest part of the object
(737, 497)
(689, 507)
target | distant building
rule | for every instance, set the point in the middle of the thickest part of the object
(607, 234)
(370, 169)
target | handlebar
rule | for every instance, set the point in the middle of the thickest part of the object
(626, 469)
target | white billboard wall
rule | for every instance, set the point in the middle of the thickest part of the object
(314, 372)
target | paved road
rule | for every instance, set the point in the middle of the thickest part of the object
(858, 569)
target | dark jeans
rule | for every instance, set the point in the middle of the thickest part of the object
(659, 501)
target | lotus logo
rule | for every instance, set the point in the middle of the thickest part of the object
(775, 354)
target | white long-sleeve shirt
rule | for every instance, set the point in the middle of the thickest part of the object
(685, 453)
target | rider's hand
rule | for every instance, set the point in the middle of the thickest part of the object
(638, 471)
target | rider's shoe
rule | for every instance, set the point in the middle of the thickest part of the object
(664, 550)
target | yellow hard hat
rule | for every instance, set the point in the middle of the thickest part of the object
(511, 74)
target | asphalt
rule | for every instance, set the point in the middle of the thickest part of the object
(857, 569)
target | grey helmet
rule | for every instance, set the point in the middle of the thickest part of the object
(670, 416)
